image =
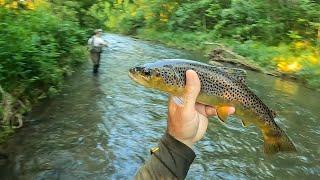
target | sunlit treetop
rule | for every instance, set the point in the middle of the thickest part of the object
(22, 4)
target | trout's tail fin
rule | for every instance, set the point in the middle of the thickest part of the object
(277, 141)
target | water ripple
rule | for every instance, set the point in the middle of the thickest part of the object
(102, 127)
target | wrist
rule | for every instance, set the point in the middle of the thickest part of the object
(187, 142)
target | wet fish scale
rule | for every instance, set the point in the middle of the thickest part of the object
(220, 86)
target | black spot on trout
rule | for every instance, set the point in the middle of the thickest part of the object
(220, 87)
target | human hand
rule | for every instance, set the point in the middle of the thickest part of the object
(187, 119)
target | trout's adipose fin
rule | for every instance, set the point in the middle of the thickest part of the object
(273, 113)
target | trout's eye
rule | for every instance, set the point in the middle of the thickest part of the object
(147, 72)
(137, 69)
(144, 71)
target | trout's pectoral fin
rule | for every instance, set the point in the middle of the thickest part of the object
(223, 113)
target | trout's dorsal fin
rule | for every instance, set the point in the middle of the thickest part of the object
(236, 73)
(273, 113)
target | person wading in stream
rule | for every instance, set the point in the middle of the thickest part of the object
(187, 123)
(96, 43)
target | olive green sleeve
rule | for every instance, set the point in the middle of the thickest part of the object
(171, 160)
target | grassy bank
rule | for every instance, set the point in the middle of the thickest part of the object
(298, 59)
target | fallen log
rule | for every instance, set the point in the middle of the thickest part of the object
(225, 55)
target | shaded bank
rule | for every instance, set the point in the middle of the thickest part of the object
(38, 49)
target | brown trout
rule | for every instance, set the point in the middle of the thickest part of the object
(220, 87)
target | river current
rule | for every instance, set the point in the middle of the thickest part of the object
(102, 127)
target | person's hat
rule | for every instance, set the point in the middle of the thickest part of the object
(98, 30)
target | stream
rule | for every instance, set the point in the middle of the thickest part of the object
(102, 127)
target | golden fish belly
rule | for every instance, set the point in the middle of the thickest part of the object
(246, 115)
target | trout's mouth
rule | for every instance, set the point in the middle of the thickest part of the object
(141, 75)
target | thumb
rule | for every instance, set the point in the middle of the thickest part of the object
(192, 89)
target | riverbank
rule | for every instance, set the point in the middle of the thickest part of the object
(284, 60)
(38, 49)
(15, 105)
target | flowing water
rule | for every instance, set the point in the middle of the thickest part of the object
(102, 127)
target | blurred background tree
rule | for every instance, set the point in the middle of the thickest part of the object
(276, 34)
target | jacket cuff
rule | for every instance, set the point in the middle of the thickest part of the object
(178, 147)
(175, 155)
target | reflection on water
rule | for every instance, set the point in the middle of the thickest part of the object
(102, 127)
(287, 87)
